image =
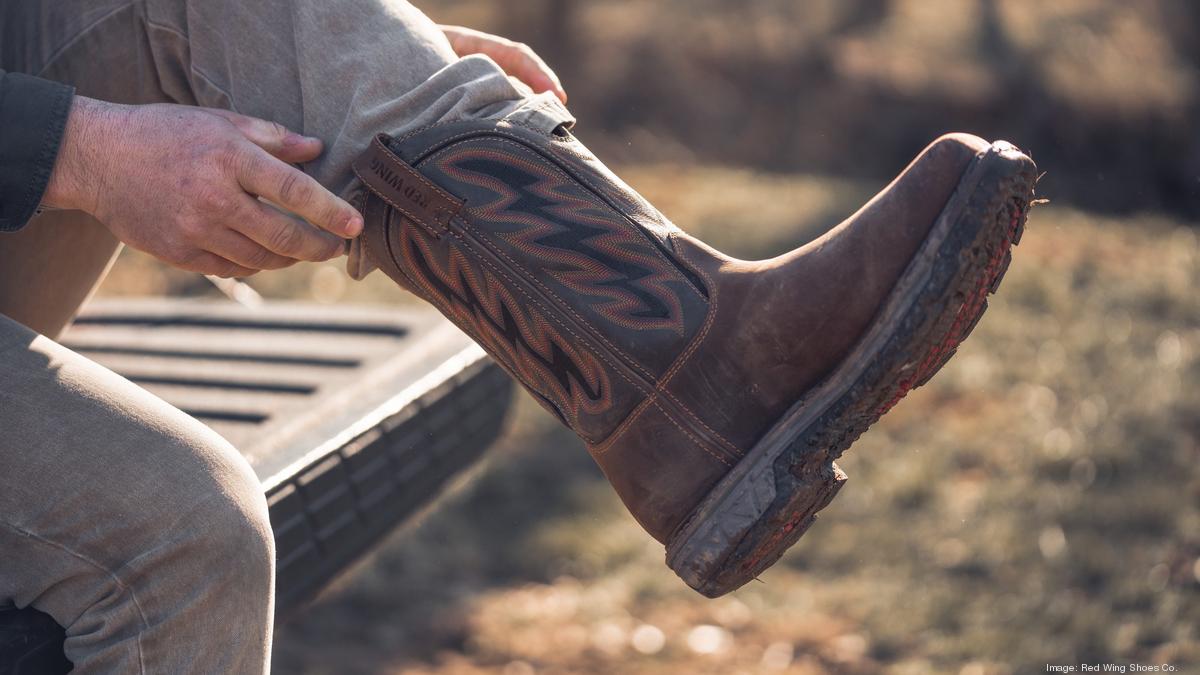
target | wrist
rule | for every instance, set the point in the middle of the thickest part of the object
(79, 171)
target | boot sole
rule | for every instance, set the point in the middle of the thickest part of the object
(772, 496)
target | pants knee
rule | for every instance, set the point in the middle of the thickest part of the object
(228, 534)
(237, 528)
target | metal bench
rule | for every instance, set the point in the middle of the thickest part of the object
(354, 419)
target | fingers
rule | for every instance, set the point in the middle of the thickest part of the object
(263, 238)
(297, 192)
(243, 251)
(205, 262)
(462, 40)
(524, 64)
(516, 59)
(283, 236)
(273, 137)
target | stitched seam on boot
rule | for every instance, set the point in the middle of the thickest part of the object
(658, 384)
(652, 400)
(416, 221)
(387, 243)
(521, 143)
(570, 310)
(695, 440)
(599, 450)
(660, 387)
(445, 307)
(696, 342)
(548, 313)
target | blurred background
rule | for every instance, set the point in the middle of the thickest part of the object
(1036, 503)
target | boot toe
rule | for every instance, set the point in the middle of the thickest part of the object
(933, 175)
(902, 214)
(960, 142)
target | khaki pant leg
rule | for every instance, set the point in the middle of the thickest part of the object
(139, 529)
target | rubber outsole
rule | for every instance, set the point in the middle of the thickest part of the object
(773, 495)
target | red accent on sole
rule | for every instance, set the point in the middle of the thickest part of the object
(968, 314)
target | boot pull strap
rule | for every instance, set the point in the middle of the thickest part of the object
(403, 187)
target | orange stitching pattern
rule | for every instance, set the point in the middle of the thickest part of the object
(548, 313)
(496, 250)
(666, 276)
(446, 308)
(660, 383)
(448, 141)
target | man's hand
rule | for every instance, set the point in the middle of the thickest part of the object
(517, 59)
(184, 185)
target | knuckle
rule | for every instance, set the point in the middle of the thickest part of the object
(293, 189)
(261, 259)
(213, 199)
(229, 157)
(283, 238)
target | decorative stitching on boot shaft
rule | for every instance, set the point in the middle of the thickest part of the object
(603, 253)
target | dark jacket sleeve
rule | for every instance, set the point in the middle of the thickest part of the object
(33, 115)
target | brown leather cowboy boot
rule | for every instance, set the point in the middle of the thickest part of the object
(715, 393)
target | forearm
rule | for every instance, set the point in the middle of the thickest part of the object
(33, 117)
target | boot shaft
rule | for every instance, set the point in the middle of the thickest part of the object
(543, 256)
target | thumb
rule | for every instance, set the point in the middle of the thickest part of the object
(273, 137)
